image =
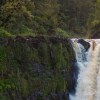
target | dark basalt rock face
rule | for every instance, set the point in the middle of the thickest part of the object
(84, 43)
(45, 65)
(52, 96)
(71, 78)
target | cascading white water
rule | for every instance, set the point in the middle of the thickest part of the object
(88, 83)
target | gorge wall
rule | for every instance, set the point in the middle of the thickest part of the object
(37, 68)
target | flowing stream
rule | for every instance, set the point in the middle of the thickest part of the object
(88, 82)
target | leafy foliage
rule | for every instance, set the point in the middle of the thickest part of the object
(21, 62)
(29, 17)
(27, 67)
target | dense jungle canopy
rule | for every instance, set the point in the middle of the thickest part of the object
(50, 17)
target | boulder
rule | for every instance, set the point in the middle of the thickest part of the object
(84, 43)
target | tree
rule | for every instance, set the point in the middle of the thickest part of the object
(16, 15)
(46, 16)
(75, 14)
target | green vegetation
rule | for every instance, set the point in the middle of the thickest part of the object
(26, 67)
(4, 33)
(35, 53)
(50, 17)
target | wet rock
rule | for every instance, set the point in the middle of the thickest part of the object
(36, 96)
(54, 96)
(61, 95)
(66, 96)
(20, 39)
(3, 41)
(71, 77)
(84, 43)
(38, 70)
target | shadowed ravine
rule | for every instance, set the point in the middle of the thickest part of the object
(88, 83)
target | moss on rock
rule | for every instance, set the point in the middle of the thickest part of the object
(35, 64)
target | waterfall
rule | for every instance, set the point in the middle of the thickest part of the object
(88, 82)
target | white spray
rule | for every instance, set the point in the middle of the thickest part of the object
(88, 83)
